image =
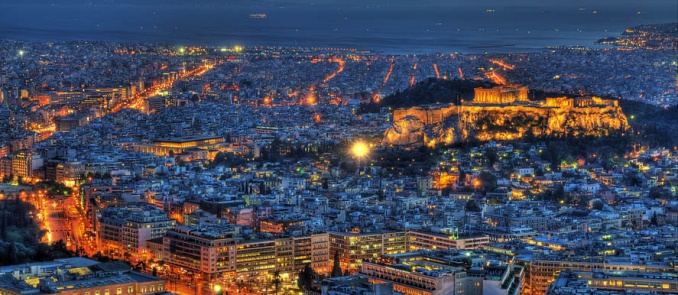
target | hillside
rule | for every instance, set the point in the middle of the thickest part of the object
(485, 123)
(653, 126)
(429, 91)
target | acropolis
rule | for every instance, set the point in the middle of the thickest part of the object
(504, 113)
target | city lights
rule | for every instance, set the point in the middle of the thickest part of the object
(199, 164)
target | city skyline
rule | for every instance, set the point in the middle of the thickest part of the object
(337, 147)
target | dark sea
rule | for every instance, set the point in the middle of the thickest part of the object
(398, 28)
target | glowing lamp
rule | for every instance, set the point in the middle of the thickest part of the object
(360, 149)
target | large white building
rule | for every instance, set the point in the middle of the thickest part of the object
(125, 231)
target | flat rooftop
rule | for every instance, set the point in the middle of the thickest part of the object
(186, 139)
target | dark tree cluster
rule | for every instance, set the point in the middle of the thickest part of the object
(430, 91)
(20, 236)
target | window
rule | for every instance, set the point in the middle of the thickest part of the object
(118, 291)
(152, 288)
(96, 292)
(106, 292)
(143, 289)
(159, 287)
(130, 289)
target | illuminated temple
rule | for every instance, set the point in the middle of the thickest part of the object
(504, 94)
(504, 113)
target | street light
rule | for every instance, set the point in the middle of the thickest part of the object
(360, 150)
(217, 288)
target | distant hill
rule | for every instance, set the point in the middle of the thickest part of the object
(429, 91)
(438, 91)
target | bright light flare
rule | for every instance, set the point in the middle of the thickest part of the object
(310, 99)
(360, 149)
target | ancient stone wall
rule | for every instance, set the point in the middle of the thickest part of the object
(560, 116)
(427, 115)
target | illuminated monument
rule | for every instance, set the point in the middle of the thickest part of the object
(504, 113)
(501, 94)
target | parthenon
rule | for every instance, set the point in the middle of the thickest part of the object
(500, 94)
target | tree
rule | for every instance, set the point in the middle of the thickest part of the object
(487, 181)
(305, 281)
(653, 220)
(467, 262)
(336, 267)
(3, 227)
(12, 255)
(101, 257)
(276, 281)
(472, 206)
(559, 192)
(492, 156)
(539, 172)
(597, 204)
(59, 250)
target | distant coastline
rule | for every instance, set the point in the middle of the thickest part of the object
(389, 30)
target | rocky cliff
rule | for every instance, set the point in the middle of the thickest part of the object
(507, 122)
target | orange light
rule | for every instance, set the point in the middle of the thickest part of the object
(360, 149)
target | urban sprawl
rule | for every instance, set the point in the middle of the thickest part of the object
(149, 169)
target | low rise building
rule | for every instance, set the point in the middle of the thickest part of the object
(613, 282)
(77, 276)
